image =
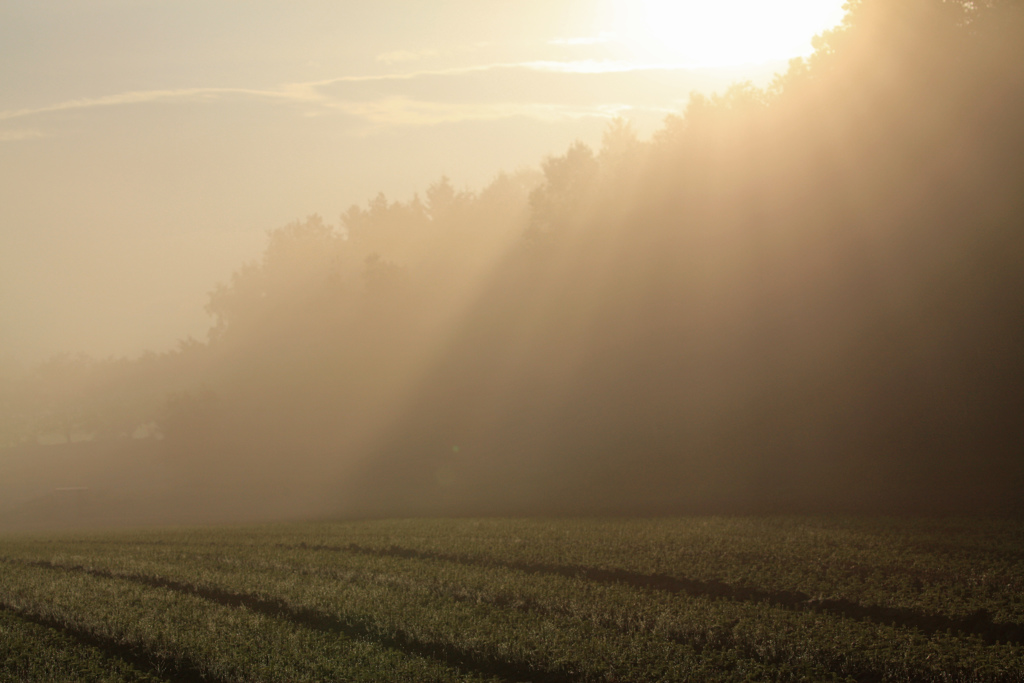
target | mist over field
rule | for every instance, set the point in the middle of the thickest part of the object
(802, 297)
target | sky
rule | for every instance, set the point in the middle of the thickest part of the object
(148, 146)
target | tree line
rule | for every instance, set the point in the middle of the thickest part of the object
(803, 297)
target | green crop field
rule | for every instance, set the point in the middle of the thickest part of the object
(688, 599)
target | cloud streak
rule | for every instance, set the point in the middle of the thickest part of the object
(387, 105)
(584, 41)
(295, 92)
(402, 111)
(405, 56)
(14, 135)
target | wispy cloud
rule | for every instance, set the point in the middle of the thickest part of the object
(581, 41)
(579, 66)
(13, 135)
(293, 92)
(377, 108)
(597, 66)
(405, 56)
(401, 111)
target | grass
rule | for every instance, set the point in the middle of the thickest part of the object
(716, 599)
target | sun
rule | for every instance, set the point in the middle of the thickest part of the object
(721, 32)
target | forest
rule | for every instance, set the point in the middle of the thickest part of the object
(803, 298)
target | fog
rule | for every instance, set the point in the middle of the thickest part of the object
(156, 143)
(805, 297)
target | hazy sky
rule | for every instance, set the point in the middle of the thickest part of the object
(146, 146)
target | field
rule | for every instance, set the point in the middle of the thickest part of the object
(688, 599)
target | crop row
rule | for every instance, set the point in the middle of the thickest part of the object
(964, 571)
(33, 649)
(494, 618)
(885, 564)
(186, 636)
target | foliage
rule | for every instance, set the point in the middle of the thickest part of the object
(801, 298)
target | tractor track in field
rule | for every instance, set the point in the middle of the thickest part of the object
(978, 624)
(461, 659)
(178, 669)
